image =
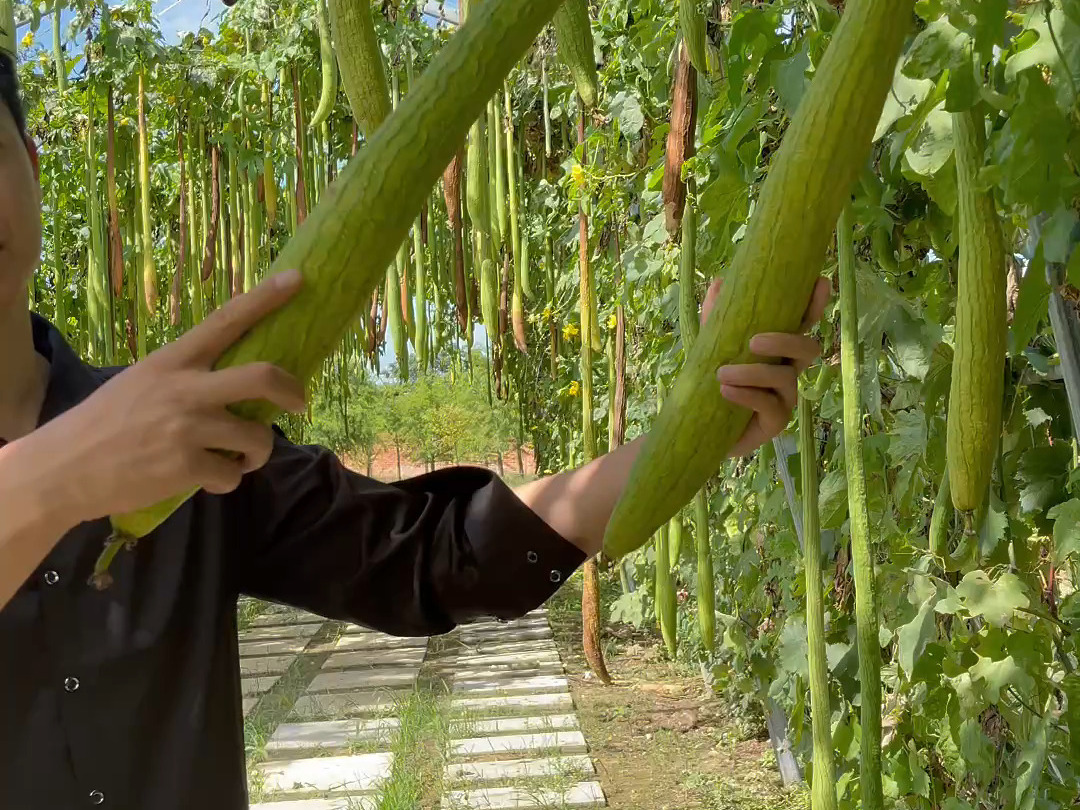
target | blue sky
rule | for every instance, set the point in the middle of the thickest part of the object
(177, 16)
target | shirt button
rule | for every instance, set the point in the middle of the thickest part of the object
(531, 557)
(555, 576)
(71, 684)
(51, 577)
(96, 797)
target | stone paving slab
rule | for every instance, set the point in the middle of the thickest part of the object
(554, 702)
(530, 621)
(266, 665)
(251, 687)
(506, 673)
(362, 773)
(565, 742)
(249, 704)
(347, 704)
(539, 684)
(287, 646)
(495, 659)
(528, 634)
(330, 734)
(513, 725)
(287, 619)
(502, 647)
(346, 803)
(584, 794)
(409, 656)
(505, 770)
(272, 633)
(373, 642)
(363, 679)
(278, 611)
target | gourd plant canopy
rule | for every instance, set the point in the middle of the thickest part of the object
(7, 27)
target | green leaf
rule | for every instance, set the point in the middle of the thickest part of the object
(1031, 305)
(1036, 417)
(791, 80)
(630, 608)
(655, 231)
(994, 600)
(1030, 149)
(915, 635)
(1057, 47)
(1030, 765)
(976, 747)
(626, 107)
(1058, 235)
(1042, 471)
(920, 782)
(794, 650)
(997, 675)
(908, 437)
(832, 499)
(933, 145)
(1071, 687)
(938, 47)
(1066, 517)
(904, 98)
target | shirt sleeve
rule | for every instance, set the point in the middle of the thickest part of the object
(412, 558)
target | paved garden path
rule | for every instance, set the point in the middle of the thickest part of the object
(324, 704)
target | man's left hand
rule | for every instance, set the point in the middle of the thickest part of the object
(770, 390)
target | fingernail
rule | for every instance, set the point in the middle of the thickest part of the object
(287, 279)
(721, 373)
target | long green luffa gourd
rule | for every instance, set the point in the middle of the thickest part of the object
(772, 276)
(345, 245)
(360, 62)
(978, 369)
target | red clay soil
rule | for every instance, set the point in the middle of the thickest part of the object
(385, 466)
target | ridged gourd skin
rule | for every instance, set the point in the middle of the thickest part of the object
(692, 26)
(476, 179)
(771, 278)
(978, 381)
(574, 38)
(360, 62)
(328, 90)
(7, 28)
(342, 256)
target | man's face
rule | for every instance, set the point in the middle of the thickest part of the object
(20, 210)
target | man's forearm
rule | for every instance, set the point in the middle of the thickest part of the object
(32, 517)
(578, 503)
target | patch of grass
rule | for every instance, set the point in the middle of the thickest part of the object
(418, 749)
(247, 610)
(720, 793)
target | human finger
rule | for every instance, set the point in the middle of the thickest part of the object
(206, 342)
(818, 301)
(781, 380)
(253, 381)
(801, 350)
(251, 442)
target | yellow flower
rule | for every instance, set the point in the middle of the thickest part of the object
(578, 175)
(547, 312)
(612, 321)
(569, 332)
(28, 40)
(574, 388)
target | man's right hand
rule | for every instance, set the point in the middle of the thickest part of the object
(149, 432)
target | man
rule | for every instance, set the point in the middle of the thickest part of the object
(129, 697)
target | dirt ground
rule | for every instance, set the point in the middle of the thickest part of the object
(384, 467)
(659, 738)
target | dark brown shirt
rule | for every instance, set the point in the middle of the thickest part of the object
(130, 698)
